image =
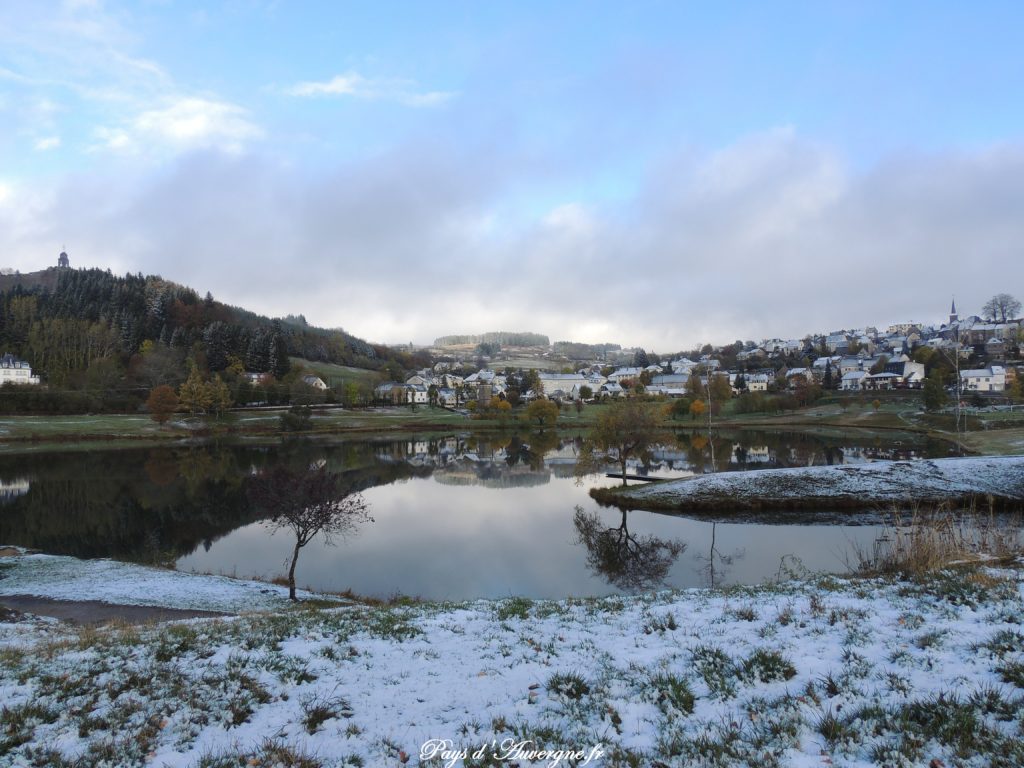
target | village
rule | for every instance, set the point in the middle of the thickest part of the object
(981, 353)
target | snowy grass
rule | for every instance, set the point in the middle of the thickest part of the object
(111, 581)
(828, 671)
(986, 481)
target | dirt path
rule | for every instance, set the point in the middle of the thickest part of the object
(93, 611)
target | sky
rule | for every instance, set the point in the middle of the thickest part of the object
(655, 174)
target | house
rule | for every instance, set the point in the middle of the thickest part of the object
(256, 378)
(625, 374)
(910, 374)
(314, 381)
(391, 392)
(611, 389)
(853, 380)
(671, 380)
(881, 380)
(16, 371)
(837, 342)
(684, 365)
(995, 347)
(552, 383)
(794, 375)
(757, 382)
(992, 379)
(447, 397)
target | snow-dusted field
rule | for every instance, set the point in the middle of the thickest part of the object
(955, 480)
(826, 672)
(111, 581)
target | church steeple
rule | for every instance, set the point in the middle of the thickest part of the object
(953, 316)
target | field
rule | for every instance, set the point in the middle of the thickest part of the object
(816, 671)
(333, 375)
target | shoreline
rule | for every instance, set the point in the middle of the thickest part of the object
(990, 482)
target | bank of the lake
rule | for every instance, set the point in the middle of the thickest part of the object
(891, 421)
(982, 482)
(842, 671)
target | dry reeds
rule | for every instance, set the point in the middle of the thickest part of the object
(919, 539)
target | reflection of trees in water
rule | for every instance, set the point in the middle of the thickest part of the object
(157, 505)
(715, 565)
(628, 561)
(762, 449)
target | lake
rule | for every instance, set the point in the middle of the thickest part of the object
(454, 518)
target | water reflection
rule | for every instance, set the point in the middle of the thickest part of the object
(626, 560)
(459, 516)
(716, 564)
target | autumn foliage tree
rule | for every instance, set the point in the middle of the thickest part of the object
(544, 412)
(625, 429)
(307, 503)
(162, 403)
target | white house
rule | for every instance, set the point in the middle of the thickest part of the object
(447, 397)
(984, 379)
(314, 381)
(15, 371)
(622, 374)
(611, 388)
(757, 382)
(853, 380)
(561, 382)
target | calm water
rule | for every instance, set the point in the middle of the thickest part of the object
(453, 518)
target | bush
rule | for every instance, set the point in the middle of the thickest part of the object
(298, 418)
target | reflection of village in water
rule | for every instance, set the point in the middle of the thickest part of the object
(12, 488)
(467, 460)
(532, 460)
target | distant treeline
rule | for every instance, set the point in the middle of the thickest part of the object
(92, 330)
(503, 338)
(576, 351)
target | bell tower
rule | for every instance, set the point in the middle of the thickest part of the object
(953, 316)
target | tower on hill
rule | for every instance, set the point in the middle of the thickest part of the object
(63, 260)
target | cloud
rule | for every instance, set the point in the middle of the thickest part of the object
(773, 235)
(372, 89)
(186, 123)
(47, 143)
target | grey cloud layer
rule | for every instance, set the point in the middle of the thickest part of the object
(770, 236)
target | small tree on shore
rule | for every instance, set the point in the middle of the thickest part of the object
(623, 430)
(307, 503)
(162, 403)
(544, 412)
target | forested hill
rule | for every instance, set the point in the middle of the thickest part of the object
(64, 321)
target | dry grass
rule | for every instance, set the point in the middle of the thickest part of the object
(921, 540)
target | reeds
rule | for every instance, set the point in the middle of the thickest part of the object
(920, 539)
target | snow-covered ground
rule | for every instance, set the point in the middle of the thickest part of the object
(826, 672)
(111, 581)
(925, 481)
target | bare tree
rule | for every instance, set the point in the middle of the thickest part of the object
(307, 503)
(1001, 307)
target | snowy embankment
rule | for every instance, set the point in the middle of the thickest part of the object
(110, 581)
(801, 673)
(996, 480)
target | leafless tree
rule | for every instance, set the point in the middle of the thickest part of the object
(1001, 307)
(308, 503)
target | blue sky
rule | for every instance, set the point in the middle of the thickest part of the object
(655, 173)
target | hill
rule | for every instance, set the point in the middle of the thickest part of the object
(87, 329)
(502, 338)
